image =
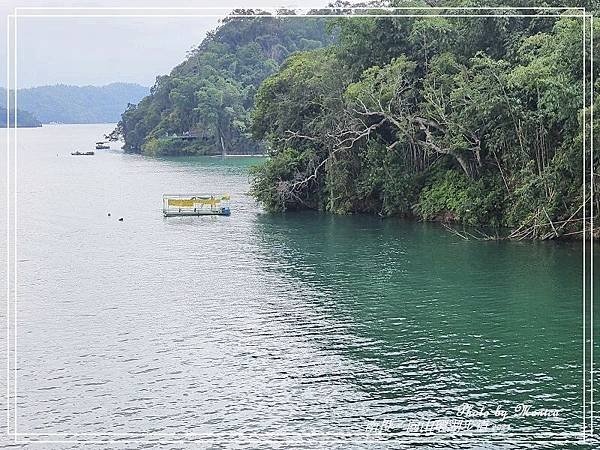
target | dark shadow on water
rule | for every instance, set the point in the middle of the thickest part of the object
(214, 161)
(438, 315)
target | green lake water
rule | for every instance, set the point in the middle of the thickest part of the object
(295, 330)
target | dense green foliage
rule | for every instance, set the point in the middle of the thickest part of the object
(78, 104)
(473, 120)
(210, 95)
(24, 119)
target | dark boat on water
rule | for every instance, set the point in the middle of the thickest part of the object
(78, 153)
(102, 146)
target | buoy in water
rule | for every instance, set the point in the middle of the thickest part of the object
(108, 214)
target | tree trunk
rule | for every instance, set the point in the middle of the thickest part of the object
(221, 140)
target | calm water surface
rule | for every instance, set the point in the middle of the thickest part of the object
(270, 326)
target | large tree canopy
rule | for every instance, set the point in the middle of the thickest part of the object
(475, 120)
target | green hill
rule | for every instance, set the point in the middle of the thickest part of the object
(78, 104)
(209, 96)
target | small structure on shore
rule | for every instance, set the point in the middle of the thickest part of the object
(185, 136)
(195, 205)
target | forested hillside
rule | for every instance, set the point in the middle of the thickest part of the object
(78, 104)
(208, 98)
(472, 120)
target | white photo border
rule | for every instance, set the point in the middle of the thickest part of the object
(169, 438)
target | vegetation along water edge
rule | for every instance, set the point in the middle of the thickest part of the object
(469, 120)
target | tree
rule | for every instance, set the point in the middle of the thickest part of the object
(481, 124)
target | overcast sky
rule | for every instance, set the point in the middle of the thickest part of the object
(97, 51)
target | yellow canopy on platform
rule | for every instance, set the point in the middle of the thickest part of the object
(191, 202)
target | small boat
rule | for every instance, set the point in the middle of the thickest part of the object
(196, 205)
(102, 146)
(78, 153)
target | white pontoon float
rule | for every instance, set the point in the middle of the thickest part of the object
(195, 205)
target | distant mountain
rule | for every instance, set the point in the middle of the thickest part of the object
(78, 104)
(24, 119)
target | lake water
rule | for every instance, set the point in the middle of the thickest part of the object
(281, 331)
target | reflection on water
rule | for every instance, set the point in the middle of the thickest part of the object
(270, 325)
(431, 321)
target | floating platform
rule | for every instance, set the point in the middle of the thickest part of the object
(195, 205)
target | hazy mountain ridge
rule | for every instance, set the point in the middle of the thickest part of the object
(78, 104)
(24, 119)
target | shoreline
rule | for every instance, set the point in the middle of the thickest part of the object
(465, 232)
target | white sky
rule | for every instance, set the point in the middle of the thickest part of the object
(98, 51)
